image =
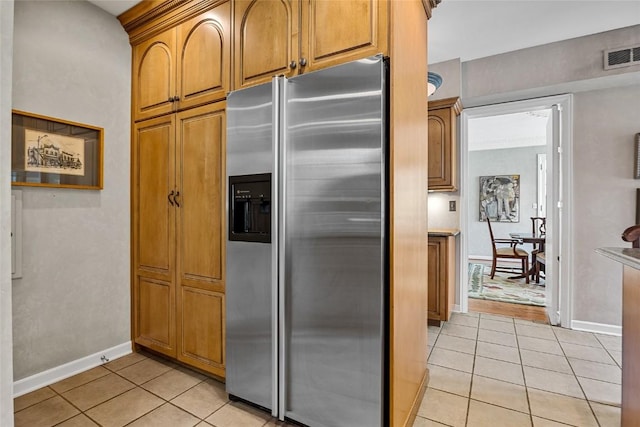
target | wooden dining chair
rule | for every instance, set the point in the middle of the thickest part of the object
(538, 258)
(511, 251)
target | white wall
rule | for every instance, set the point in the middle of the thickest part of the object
(72, 61)
(513, 161)
(6, 355)
(605, 123)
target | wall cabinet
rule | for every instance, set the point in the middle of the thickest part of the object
(441, 277)
(178, 232)
(442, 144)
(290, 37)
(183, 66)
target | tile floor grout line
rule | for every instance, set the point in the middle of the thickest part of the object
(33, 404)
(593, 412)
(148, 412)
(49, 398)
(72, 404)
(473, 368)
(524, 377)
(433, 347)
(174, 397)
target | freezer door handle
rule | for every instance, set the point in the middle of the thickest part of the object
(281, 179)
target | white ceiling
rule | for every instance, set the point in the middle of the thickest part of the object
(471, 29)
(508, 131)
(115, 7)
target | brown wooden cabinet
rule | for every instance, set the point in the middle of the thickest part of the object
(178, 232)
(442, 144)
(441, 277)
(183, 66)
(181, 50)
(290, 37)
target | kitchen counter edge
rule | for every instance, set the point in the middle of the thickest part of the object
(445, 232)
(626, 256)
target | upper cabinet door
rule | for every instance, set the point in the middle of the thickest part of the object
(442, 144)
(335, 32)
(439, 149)
(154, 75)
(266, 40)
(204, 57)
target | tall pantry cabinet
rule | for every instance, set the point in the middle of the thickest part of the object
(187, 55)
(180, 77)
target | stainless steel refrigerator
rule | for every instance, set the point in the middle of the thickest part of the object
(307, 256)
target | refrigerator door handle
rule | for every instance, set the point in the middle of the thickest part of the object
(281, 179)
(275, 261)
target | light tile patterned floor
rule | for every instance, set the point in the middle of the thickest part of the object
(488, 370)
(485, 370)
(136, 390)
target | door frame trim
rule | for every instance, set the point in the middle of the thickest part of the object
(565, 102)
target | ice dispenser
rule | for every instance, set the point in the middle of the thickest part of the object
(250, 208)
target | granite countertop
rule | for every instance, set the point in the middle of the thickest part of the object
(443, 232)
(626, 256)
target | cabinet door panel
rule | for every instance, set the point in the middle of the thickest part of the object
(153, 180)
(204, 70)
(439, 149)
(200, 232)
(340, 31)
(442, 146)
(154, 76)
(202, 329)
(433, 278)
(155, 321)
(201, 142)
(266, 40)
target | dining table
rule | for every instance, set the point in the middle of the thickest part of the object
(537, 240)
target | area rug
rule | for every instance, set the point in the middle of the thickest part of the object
(500, 288)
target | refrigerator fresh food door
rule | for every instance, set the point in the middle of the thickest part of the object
(333, 161)
(251, 343)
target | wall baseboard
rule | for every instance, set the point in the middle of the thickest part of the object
(456, 308)
(67, 370)
(598, 328)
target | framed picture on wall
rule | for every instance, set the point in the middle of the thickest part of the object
(500, 198)
(49, 152)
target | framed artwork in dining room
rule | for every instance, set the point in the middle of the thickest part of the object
(500, 198)
(50, 152)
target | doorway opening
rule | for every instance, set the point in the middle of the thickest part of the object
(514, 209)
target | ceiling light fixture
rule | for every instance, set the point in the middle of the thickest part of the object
(433, 82)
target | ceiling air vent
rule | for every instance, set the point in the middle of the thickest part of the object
(621, 57)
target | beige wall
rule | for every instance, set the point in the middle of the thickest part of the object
(6, 355)
(545, 69)
(605, 123)
(72, 60)
(451, 84)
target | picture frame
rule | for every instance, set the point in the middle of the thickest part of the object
(52, 152)
(500, 198)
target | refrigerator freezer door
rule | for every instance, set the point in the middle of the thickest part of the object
(335, 259)
(250, 344)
